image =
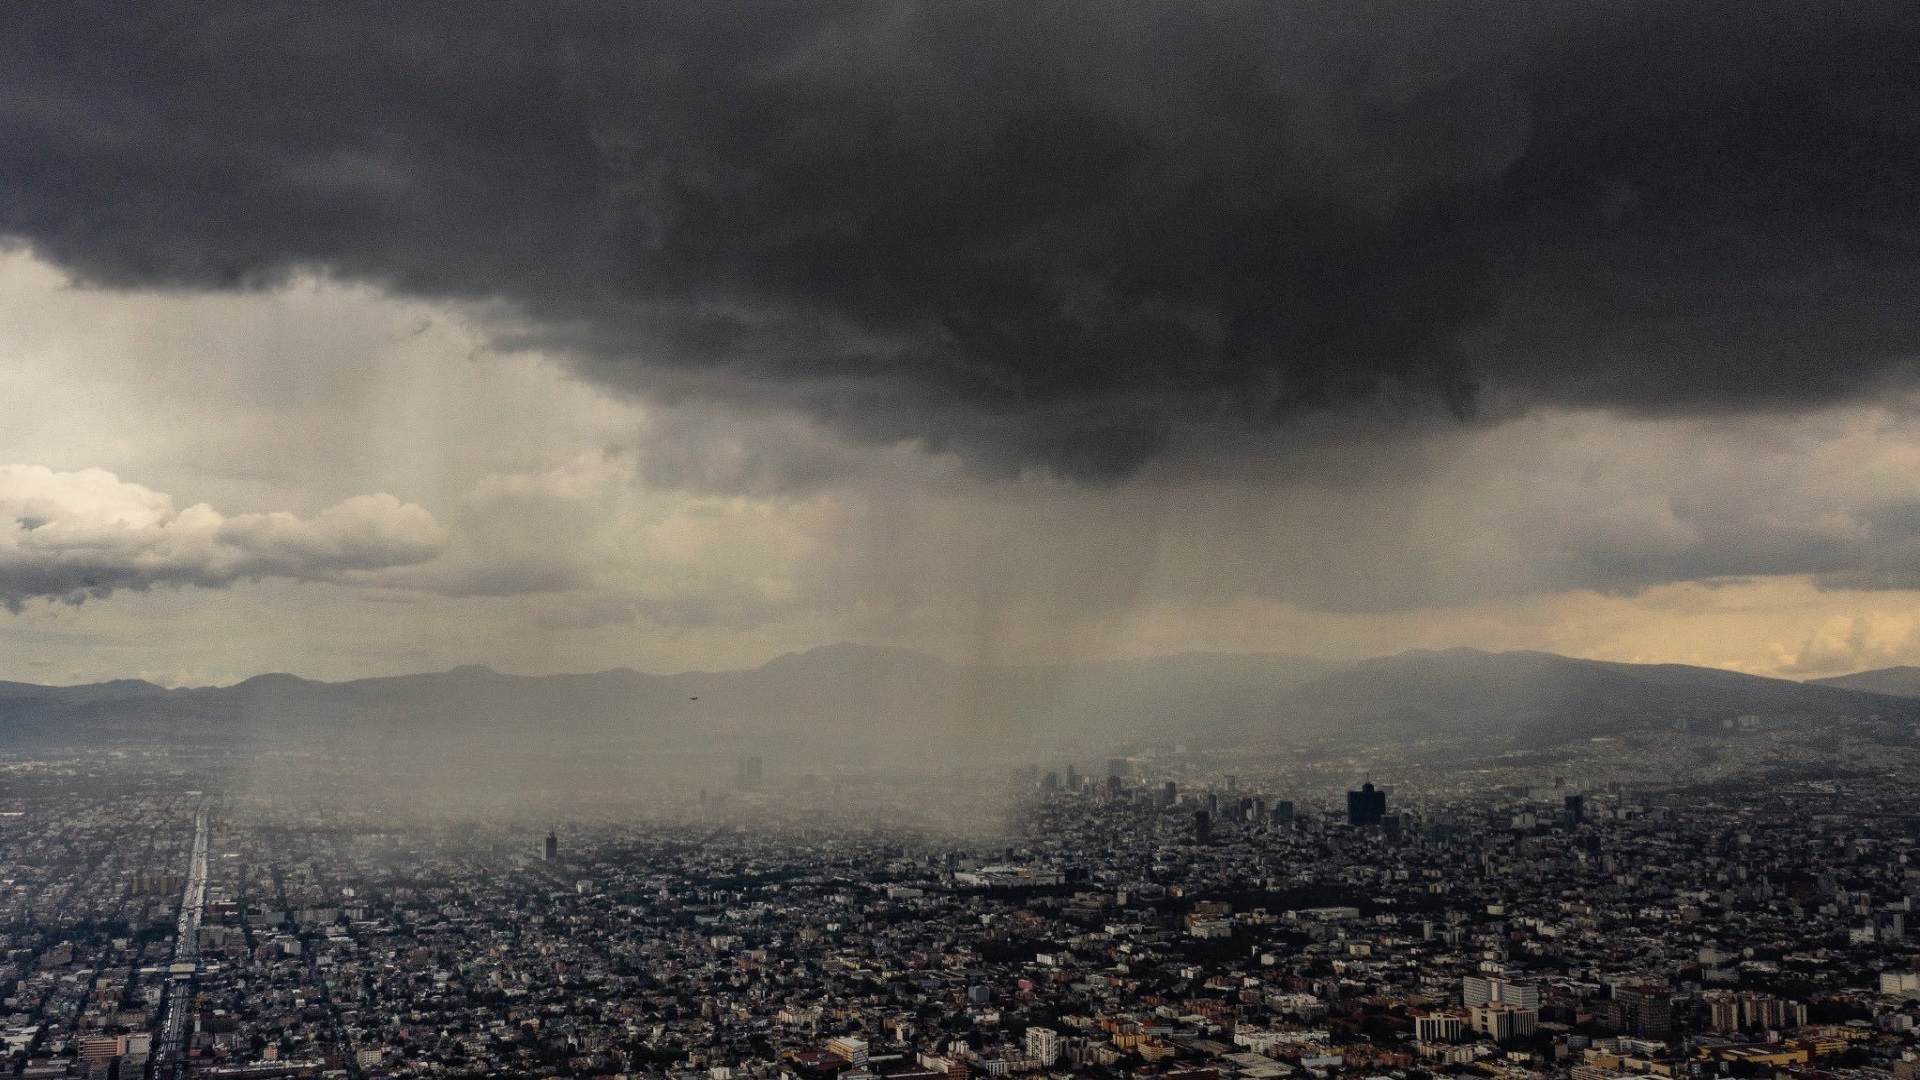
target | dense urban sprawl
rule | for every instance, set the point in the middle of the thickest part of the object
(1148, 916)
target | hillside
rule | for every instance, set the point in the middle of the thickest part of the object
(840, 703)
(1537, 698)
(1895, 681)
(860, 705)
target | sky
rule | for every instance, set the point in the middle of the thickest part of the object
(571, 336)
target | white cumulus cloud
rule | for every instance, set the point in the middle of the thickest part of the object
(71, 536)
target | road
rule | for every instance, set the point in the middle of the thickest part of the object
(169, 1051)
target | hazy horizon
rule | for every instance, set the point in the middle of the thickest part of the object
(943, 539)
(1333, 663)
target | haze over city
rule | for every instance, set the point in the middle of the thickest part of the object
(960, 540)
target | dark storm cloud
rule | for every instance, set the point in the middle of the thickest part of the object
(1063, 235)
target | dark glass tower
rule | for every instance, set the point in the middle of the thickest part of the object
(1366, 806)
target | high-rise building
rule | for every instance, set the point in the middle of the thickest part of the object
(1480, 990)
(1475, 990)
(1501, 1022)
(1043, 1046)
(1724, 1014)
(1283, 812)
(747, 772)
(1576, 809)
(1766, 1011)
(1202, 827)
(1642, 1010)
(1729, 1012)
(1050, 783)
(1073, 779)
(1169, 794)
(1115, 786)
(553, 847)
(1525, 995)
(1900, 983)
(1366, 806)
(1439, 1028)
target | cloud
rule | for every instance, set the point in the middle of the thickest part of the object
(1553, 502)
(585, 546)
(74, 536)
(1051, 237)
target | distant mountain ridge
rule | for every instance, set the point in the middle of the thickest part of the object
(869, 704)
(1903, 681)
(1537, 698)
(851, 701)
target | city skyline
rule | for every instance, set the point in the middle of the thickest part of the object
(960, 540)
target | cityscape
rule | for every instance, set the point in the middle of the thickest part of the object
(960, 540)
(1144, 916)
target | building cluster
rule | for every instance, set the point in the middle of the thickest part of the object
(1153, 923)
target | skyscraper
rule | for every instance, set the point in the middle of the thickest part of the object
(747, 772)
(1576, 809)
(1202, 827)
(1366, 806)
(553, 846)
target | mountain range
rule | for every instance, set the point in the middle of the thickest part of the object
(865, 704)
(1896, 681)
